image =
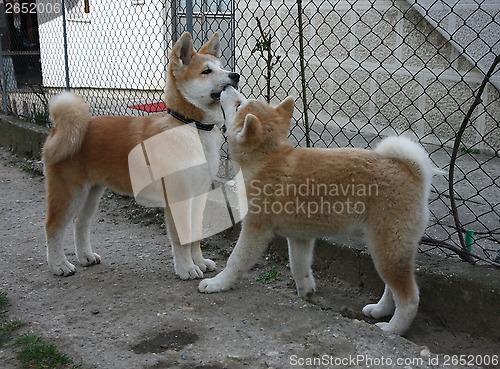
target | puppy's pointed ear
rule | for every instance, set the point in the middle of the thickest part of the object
(212, 46)
(252, 131)
(183, 51)
(285, 108)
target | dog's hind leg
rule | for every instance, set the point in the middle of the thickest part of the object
(394, 259)
(406, 298)
(250, 246)
(81, 227)
(62, 205)
(55, 227)
(300, 252)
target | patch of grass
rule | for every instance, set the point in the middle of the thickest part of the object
(34, 352)
(37, 353)
(270, 276)
(7, 328)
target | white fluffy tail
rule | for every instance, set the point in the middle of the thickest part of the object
(412, 153)
(70, 115)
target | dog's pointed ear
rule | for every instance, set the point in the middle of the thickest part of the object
(183, 51)
(251, 131)
(285, 108)
(212, 46)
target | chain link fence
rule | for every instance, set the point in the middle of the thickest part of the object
(359, 70)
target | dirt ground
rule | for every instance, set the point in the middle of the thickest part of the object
(132, 312)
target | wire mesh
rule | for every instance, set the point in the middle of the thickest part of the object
(359, 70)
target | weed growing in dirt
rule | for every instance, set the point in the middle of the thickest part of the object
(270, 276)
(7, 328)
(35, 352)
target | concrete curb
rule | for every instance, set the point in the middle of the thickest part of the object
(22, 137)
(459, 295)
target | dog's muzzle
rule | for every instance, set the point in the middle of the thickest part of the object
(234, 80)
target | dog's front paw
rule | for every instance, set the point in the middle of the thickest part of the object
(90, 259)
(206, 265)
(377, 310)
(211, 285)
(306, 287)
(187, 272)
(64, 268)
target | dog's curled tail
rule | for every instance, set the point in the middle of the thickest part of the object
(70, 115)
(413, 154)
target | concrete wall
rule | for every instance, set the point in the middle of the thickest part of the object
(22, 137)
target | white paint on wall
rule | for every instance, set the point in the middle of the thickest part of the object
(119, 45)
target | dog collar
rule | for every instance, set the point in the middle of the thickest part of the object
(186, 120)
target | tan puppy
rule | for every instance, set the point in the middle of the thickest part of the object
(85, 154)
(303, 193)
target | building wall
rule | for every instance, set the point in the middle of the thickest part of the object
(118, 45)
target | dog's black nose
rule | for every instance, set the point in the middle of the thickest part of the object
(234, 76)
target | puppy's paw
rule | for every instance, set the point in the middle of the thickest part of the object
(306, 293)
(90, 259)
(64, 268)
(307, 287)
(187, 272)
(377, 311)
(206, 265)
(211, 285)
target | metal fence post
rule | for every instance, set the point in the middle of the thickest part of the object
(4, 80)
(189, 16)
(65, 40)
